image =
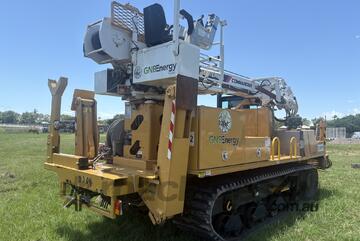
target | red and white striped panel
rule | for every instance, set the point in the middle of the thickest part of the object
(171, 131)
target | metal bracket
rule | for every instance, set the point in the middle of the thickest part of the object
(57, 88)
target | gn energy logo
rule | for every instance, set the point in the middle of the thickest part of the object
(138, 71)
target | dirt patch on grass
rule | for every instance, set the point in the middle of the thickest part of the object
(6, 182)
(7, 175)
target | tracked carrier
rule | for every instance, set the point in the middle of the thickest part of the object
(216, 171)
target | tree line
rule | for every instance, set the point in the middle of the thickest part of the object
(34, 118)
(350, 122)
(27, 118)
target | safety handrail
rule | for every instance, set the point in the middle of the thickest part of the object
(275, 140)
(293, 147)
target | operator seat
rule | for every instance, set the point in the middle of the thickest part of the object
(156, 28)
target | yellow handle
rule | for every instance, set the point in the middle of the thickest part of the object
(293, 147)
(275, 140)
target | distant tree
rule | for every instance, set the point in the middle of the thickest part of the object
(27, 118)
(306, 122)
(65, 117)
(102, 121)
(117, 116)
(43, 118)
(30, 118)
(10, 117)
(293, 122)
(350, 122)
(316, 121)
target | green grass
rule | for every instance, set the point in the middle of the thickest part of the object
(31, 209)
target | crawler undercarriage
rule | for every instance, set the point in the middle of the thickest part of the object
(227, 208)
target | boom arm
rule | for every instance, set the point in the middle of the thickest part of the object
(271, 91)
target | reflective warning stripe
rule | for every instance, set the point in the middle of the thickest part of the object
(171, 131)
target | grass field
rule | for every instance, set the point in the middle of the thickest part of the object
(30, 207)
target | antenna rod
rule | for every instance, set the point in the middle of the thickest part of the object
(176, 26)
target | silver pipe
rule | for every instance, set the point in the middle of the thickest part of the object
(176, 27)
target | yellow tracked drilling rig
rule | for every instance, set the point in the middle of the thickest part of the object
(218, 172)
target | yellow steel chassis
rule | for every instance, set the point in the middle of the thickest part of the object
(152, 180)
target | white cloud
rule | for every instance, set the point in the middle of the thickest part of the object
(356, 111)
(330, 114)
(357, 36)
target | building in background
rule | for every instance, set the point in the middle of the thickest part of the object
(333, 133)
(356, 135)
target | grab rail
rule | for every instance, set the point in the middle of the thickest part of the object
(293, 147)
(275, 140)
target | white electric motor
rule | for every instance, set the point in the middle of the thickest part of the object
(106, 43)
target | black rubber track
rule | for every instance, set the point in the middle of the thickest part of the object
(201, 197)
